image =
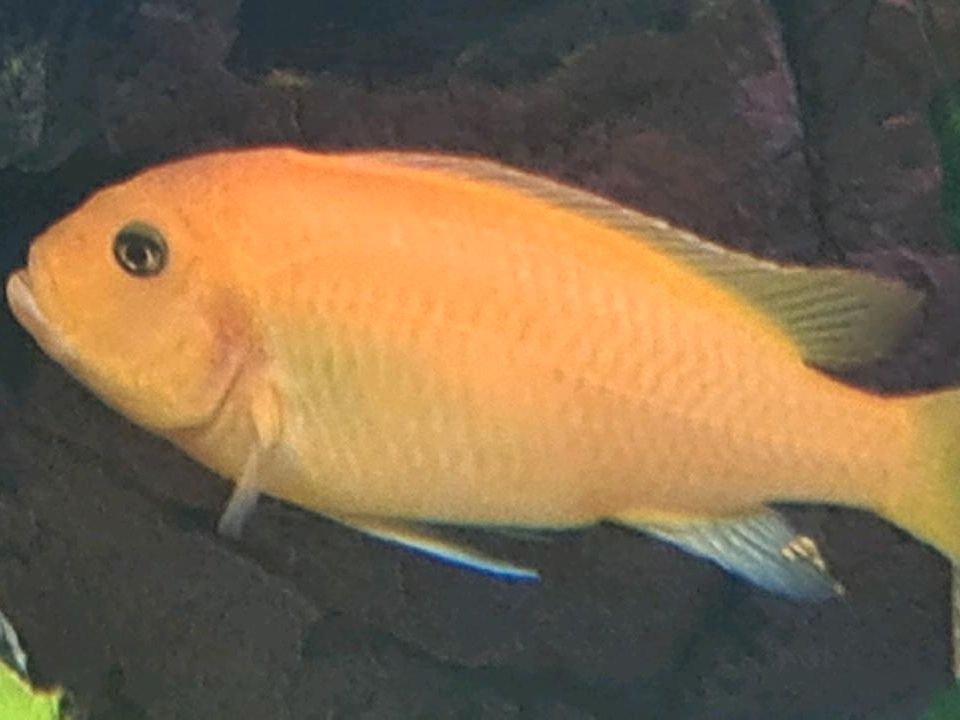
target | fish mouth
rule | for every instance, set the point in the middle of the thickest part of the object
(23, 305)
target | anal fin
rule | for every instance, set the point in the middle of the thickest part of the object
(760, 547)
(415, 538)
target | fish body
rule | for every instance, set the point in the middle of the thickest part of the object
(389, 338)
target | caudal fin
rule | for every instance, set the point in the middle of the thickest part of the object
(927, 502)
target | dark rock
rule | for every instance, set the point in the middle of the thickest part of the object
(867, 73)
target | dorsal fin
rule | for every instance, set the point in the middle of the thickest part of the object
(836, 317)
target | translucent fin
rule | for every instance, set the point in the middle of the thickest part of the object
(410, 536)
(836, 317)
(243, 500)
(265, 413)
(760, 547)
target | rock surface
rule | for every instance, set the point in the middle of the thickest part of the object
(793, 129)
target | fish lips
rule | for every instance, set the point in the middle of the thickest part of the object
(23, 305)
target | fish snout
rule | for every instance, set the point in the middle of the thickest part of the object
(20, 298)
(23, 305)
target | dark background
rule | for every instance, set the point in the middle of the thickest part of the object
(796, 130)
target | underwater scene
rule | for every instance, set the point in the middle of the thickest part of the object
(549, 359)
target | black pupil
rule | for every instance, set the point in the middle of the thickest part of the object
(140, 250)
(137, 254)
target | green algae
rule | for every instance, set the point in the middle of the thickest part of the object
(945, 706)
(19, 700)
(945, 120)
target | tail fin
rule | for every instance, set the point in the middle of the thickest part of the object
(927, 503)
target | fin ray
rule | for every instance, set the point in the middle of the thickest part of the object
(410, 536)
(266, 416)
(850, 317)
(243, 499)
(760, 547)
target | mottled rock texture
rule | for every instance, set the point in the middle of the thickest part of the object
(797, 130)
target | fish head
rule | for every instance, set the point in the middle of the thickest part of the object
(122, 294)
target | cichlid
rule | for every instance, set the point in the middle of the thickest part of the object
(399, 340)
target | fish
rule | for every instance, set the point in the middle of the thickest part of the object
(405, 341)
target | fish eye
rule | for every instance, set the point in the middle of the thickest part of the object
(140, 249)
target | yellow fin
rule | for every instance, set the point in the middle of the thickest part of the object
(926, 500)
(836, 317)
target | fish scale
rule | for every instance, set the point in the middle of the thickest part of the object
(686, 365)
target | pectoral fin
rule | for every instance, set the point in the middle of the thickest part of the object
(760, 547)
(415, 538)
(265, 415)
(243, 500)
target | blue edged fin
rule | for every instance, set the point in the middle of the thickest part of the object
(760, 547)
(414, 538)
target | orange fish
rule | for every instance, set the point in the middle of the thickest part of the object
(399, 340)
